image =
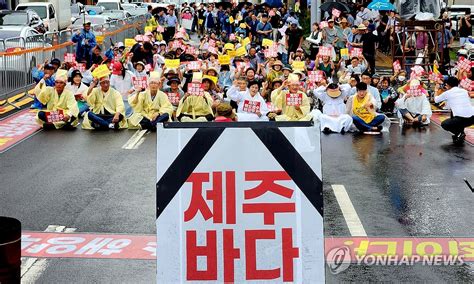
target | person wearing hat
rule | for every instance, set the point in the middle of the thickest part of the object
(362, 109)
(79, 90)
(344, 33)
(150, 106)
(264, 28)
(276, 70)
(251, 105)
(85, 41)
(58, 99)
(195, 107)
(47, 80)
(414, 107)
(225, 113)
(174, 91)
(287, 70)
(107, 110)
(137, 69)
(331, 37)
(291, 103)
(122, 81)
(334, 117)
(268, 91)
(461, 107)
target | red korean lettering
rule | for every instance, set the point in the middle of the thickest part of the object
(288, 254)
(230, 254)
(192, 253)
(197, 201)
(230, 198)
(268, 179)
(251, 271)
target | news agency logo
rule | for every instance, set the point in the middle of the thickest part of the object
(338, 259)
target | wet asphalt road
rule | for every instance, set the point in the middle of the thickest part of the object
(401, 184)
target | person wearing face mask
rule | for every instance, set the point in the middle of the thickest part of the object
(58, 99)
(398, 79)
(107, 107)
(150, 106)
(251, 105)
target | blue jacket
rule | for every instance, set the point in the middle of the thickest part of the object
(83, 50)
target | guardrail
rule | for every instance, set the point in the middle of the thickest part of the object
(18, 56)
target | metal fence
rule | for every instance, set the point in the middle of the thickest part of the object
(19, 56)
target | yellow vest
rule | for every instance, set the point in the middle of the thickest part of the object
(358, 108)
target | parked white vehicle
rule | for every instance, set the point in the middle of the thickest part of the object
(18, 38)
(110, 4)
(56, 14)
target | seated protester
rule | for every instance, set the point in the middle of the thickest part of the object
(275, 71)
(357, 66)
(225, 78)
(251, 106)
(46, 81)
(195, 107)
(334, 117)
(79, 90)
(208, 83)
(225, 113)
(97, 57)
(287, 70)
(58, 99)
(374, 92)
(137, 69)
(414, 107)
(293, 104)
(174, 91)
(375, 81)
(269, 88)
(327, 66)
(399, 79)
(107, 108)
(388, 95)
(150, 106)
(362, 109)
(251, 75)
(122, 81)
(461, 107)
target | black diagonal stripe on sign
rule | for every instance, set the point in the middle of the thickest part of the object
(183, 166)
(292, 162)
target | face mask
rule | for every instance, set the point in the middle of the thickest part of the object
(401, 78)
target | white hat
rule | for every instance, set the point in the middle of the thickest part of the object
(61, 75)
(120, 44)
(154, 76)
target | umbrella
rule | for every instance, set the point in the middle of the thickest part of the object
(328, 6)
(224, 5)
(381, 5)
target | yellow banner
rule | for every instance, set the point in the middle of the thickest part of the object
(246, 41)
(129, 42)
(267, 42)
(298, 65)
(224, 59)
(241, 51)
(101, 71)
(99, 39)
(229, 46)
(172, 63)
(197, 76)
(200, 21)
(231, 53)
(345, 53)
(231, 20)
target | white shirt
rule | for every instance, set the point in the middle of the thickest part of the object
(241, 96)
(82, 89)
(417, 105)
(331, 106)
(458, 100)
(121, 84)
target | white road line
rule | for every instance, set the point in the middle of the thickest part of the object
(350, 215)
(32, 268)
(134, 140)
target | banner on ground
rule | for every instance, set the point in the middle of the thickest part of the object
(226, 217)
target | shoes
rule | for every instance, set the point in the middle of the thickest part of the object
(459, 138)
(416, 123)
(111, 126)
(326, 130)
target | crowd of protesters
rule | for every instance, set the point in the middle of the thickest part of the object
(245, 63)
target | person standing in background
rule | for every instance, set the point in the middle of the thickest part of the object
(465, 29)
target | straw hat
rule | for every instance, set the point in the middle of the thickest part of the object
(333, 90)
(361, 27)
(225, 110)
(61, 75)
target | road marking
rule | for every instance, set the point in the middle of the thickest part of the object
(348, 211)
(135, 141)
(32, 268)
